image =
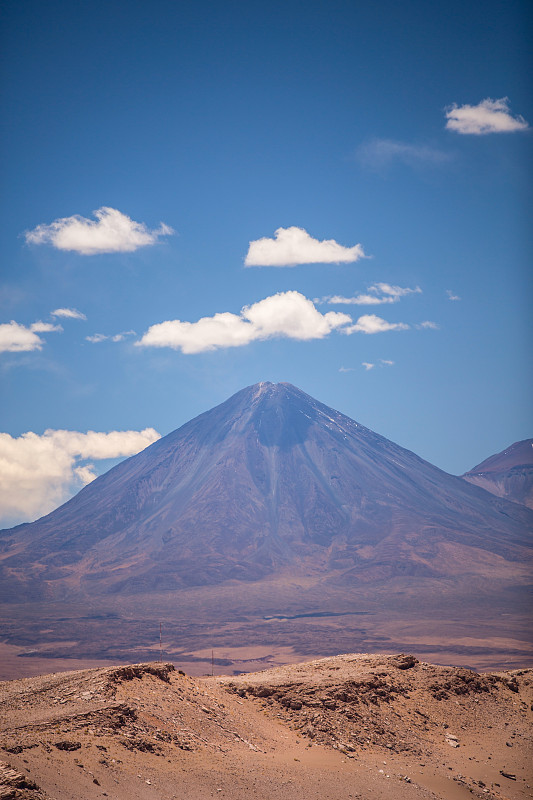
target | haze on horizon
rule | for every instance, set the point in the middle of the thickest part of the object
(202, 196)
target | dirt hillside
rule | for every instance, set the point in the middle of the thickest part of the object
(352, 726)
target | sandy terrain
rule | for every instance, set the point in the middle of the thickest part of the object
(354, 726)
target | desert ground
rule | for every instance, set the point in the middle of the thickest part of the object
(254, 626)
(351, 726)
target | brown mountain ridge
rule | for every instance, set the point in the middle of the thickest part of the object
(507, 474)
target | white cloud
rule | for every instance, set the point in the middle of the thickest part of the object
(381, 293)
(383, 362)
(39, 472)
(346, 369)
(489, 116)
(451, 295)
(68, 313)
(429, 325)
(394, 291)
(358, 300)
(112, 232)
(85, 474)
(16, 338)
(292, 246)
(379, 153)
(119, 337)
(45, 327)
(286, 314)
(370, 323)
(95, 338)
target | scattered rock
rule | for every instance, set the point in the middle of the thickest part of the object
(405, 661)
(132, 671)
(509, 775)
(13, 784)
(67, 745)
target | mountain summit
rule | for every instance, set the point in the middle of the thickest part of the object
(269, 482)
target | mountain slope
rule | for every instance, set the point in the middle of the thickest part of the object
(270, 481)
(507, 474)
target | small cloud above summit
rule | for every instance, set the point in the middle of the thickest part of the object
(293, 246)
(288, 315)
(489, 116)
(112, 232)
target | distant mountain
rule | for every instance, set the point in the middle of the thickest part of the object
(507, 474)
(269, 483)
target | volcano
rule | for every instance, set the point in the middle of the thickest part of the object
(269, 483)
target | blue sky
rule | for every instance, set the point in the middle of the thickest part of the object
(204, 127)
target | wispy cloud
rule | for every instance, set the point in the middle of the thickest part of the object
(381, 293)
(489, 116)
(111, 232)
(286, 314)
(383, 362)
(370, 323)
(96, 338)
(380, 153)
(292, 246)
(346, 369)
(428, 325)
(358, 300)
(39, 472)
(119, 337)
(451, 295)
(16, 338)
(68, 313)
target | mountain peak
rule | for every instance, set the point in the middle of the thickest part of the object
(268, 482)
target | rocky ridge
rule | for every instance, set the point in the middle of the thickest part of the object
(351, 726)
